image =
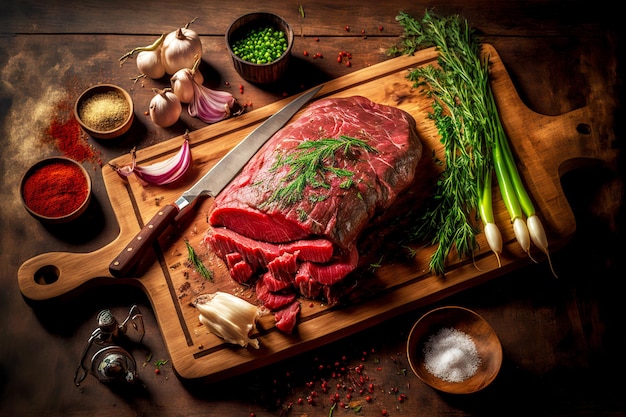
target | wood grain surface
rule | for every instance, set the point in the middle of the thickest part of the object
(560, 337)
(394, 287)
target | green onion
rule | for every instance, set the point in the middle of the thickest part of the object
(509, 196)
(506, 158)
(507, 188)
(534, 225)
(491, 230)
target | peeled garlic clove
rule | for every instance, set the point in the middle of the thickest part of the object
(228, 331)
(229, 317)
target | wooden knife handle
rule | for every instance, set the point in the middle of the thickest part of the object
(136, 248)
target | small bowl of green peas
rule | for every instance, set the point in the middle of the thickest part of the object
(260, 46)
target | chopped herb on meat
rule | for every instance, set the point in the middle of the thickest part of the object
(311, 161)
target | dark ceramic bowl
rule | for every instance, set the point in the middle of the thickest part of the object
(56, 190)
(104, 111)
(259, 73)
(471, 324)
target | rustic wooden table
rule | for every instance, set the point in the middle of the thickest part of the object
(563, 338)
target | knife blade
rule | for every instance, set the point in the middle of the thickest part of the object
(211, 184)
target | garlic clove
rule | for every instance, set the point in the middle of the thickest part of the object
(229, 317)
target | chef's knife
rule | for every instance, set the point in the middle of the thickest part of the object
(210, 184)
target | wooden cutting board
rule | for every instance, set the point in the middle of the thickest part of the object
(544, 143)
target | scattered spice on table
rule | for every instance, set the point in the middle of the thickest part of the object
(104, 111)
(451, 355)
(65, 132)
(68, 137)
(55, 189)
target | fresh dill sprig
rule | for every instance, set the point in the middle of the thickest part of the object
(197, 263)
(311, 162)
(459, 87)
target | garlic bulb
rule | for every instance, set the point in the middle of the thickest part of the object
(229, 317)
(149, 63)
(165, 107)
(182, 82)
(179, 49)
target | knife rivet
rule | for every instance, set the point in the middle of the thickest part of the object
(150, 226)
(139, 237)
(129, 250)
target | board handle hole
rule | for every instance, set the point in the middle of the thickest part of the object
(47, 275)
(583, 128)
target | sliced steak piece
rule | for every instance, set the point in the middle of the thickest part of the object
(334, 211)
(332, 272)
(283, 267)
(287, 317)
(259, 254)
(255, 223)
(239, 269)
(307, 286)
(273, 300)
(276, 285)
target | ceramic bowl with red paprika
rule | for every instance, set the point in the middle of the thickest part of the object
(56, 190)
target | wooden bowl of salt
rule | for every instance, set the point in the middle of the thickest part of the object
(104, 111)
(454, 350)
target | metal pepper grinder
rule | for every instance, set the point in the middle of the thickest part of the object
(111, 363)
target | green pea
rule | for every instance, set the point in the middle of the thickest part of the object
(261, 46)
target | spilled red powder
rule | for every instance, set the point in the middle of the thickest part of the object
(68, 136)
(69, 139)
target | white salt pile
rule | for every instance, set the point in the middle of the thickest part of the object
(451, 355)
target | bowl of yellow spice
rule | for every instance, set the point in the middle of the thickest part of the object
(104, 111)
(454, 350)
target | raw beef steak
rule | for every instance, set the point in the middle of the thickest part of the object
(296, 210)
